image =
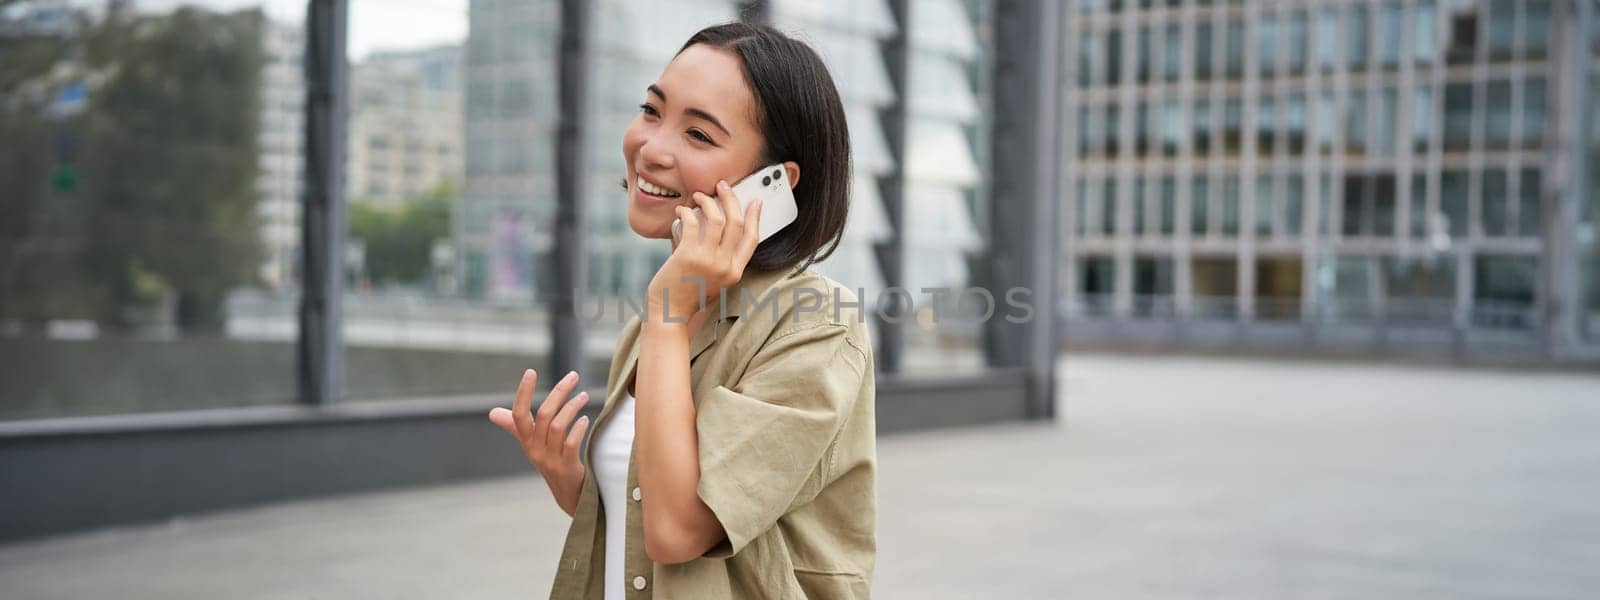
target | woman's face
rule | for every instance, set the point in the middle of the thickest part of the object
(697, 126)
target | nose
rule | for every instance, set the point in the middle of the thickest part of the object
(656, 152)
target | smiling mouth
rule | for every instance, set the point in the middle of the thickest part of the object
(655, 190)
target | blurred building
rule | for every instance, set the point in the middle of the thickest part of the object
(281, 143)
(405, 125)
(1403, 172)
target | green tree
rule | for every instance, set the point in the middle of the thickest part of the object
(169, 165)
(399, 241)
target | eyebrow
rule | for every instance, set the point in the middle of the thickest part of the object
(693, 112)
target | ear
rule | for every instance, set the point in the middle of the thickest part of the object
(793, 169)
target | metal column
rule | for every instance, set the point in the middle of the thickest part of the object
(891, 253)
(566, 329)
(1027, 155)
(320, 355)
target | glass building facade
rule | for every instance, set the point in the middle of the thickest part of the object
(1399, 171)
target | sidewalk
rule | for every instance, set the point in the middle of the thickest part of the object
(1170, 478)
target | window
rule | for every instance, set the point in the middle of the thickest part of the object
(1423, 42)
(1356, 25)
(1497, 129)
(1355, 122)
(1463, 37)
(1419, 206)
(1171, 52)
(1494, 202)
(1080, 208)
(1503, 288)
(1202, 51)
(1293, 204)
(1457, 117)
(1085, 118)
(1502, 19)
(1114, 57)
(1267, 43)
(1108, 208)
(1536, 28)
(1202, 126)
(1199, 216)
(1141, 129)
(1113, 124)
(1264, 205)
(1146, 54)
(1387, 101)
(1266, 124)
(1171, 127)
(1529, 214)
(1230, 205)
(1088, 46)
(1140, 222)
(1169, 205)
(1295, 119)
(1327, 37)
(1389, 34)
(1453, 201)
(1152, 287)
(1325, 121)
(1232, 124)
(1298, 39)
(1422, 117)
(1533, 110)
(1235, 50)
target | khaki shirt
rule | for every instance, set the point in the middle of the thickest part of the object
(782, 378)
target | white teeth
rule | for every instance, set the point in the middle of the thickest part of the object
(656, 190)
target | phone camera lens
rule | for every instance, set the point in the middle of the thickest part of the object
(766, 181)
(777, 174)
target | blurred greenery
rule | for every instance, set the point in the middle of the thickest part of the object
(399, 240)
(162, 160)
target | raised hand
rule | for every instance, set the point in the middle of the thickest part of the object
(550, 439)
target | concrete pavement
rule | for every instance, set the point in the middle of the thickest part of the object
(1167, 478)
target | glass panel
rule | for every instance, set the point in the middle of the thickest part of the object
(1215, 284)
(1278, 283)
(1423, 116)
(1088, 48)
(1389, 33)
(1140, 226)
(1086, 121)
(1232, 125)
(1502, 19)
(1171, 127)
(1346, 289)
(1202, 51)
(1419, 206)
(1299, 38)
(1463, 41)
(1098, 281)
(1141, 129)
(1108, 208)
(1293, 204)
(1114, 57)
(1146, 54)
(1387, 107)
(1383, 203)
(1266, 124)
(1202, 127)
(1267, 43)
(1230, 205)
(1113, 126)
(149, 239)
(1199, 219)
(1533, 111)
(1264, 206)
(1325, 121)
(1152, 287)
(1494, 202)
(1420, 291)
(1497, 129)
(1355, 122)
(1536, 28)
(1235, 50)
(1502, 293)
(1357, 26)
(1423, 34)
(1169, 204)
(1295, 117)
(1172, 53)
(1529, 215)
(1327, 37)
(1081, 207)
(1453, 202)
(1457, 116)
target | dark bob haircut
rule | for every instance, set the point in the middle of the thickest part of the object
(800, 115)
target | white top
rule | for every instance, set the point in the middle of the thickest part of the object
(611, 452)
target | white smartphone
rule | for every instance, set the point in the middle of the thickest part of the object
(771, 185)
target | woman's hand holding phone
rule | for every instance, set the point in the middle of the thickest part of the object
(709, 257)
(546, 438)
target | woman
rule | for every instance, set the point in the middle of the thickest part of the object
(735, 453)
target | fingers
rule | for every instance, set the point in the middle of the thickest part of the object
(733, 231)
(563, 419)
(521, 409)
(751, 237)
(502, 418)
(689, 224)
(575, 438)
(552, 404)
(715, 219)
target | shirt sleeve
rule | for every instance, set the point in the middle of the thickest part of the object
(761, 441)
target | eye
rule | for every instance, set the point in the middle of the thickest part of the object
(701, 136)
(649, 110)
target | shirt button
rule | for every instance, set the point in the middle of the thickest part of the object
(638, 583)
(636, 494)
